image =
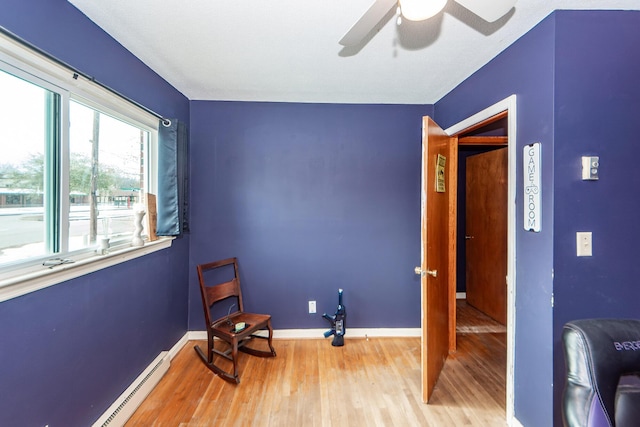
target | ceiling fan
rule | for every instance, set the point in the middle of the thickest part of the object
(418, 10)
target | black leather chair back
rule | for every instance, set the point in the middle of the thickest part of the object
(598, 352)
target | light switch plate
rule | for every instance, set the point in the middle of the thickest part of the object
(584, 244)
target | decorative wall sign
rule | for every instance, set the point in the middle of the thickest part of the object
(532, 190)
(440, 164)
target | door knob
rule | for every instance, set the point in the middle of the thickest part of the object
(419, 271)
(468, 237)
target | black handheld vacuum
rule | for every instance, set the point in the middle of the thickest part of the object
(337, 321)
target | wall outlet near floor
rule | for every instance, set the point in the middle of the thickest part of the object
(312, 307)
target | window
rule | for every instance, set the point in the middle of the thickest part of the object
(75, 161)
(106, 176)
(24, 136)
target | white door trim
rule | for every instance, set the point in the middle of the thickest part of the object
(509, 105)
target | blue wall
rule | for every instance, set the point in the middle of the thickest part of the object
(310, 198)
(577, 94)
(69, 350)
(597, 108)
(526, 69)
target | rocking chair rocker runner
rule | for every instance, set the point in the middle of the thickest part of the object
(235, 328)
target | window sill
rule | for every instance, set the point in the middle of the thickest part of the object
(25, 283)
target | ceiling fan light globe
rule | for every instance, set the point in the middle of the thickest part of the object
(419, 10)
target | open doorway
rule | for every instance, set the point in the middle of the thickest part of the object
(489, 131)
(481, 259)
(482, 218)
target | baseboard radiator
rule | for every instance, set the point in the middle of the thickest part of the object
(128, 402)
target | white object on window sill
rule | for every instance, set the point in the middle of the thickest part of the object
(137, 223)
(25, 283)
(103, 246)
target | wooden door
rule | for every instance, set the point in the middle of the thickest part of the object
(434, 269)
(486, 233)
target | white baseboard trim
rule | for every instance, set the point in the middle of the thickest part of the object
(515, 423)
(461, 295)
(319, 333)
(181, 343)
(126, 404)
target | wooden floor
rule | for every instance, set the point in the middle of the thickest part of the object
(373, 382)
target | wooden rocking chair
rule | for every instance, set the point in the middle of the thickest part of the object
(235, 328)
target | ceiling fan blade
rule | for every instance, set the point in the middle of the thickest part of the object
(489, 10)
(367, 22)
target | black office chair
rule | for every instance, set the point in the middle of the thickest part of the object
(603, 367)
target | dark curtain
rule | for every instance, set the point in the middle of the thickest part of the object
(173, 178)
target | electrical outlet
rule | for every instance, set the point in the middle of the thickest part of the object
(312, 307)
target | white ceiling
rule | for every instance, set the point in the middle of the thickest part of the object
(288, 51)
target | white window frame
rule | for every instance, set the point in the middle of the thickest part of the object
(24, 62)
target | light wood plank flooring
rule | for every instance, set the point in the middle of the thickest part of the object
(373, 382)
